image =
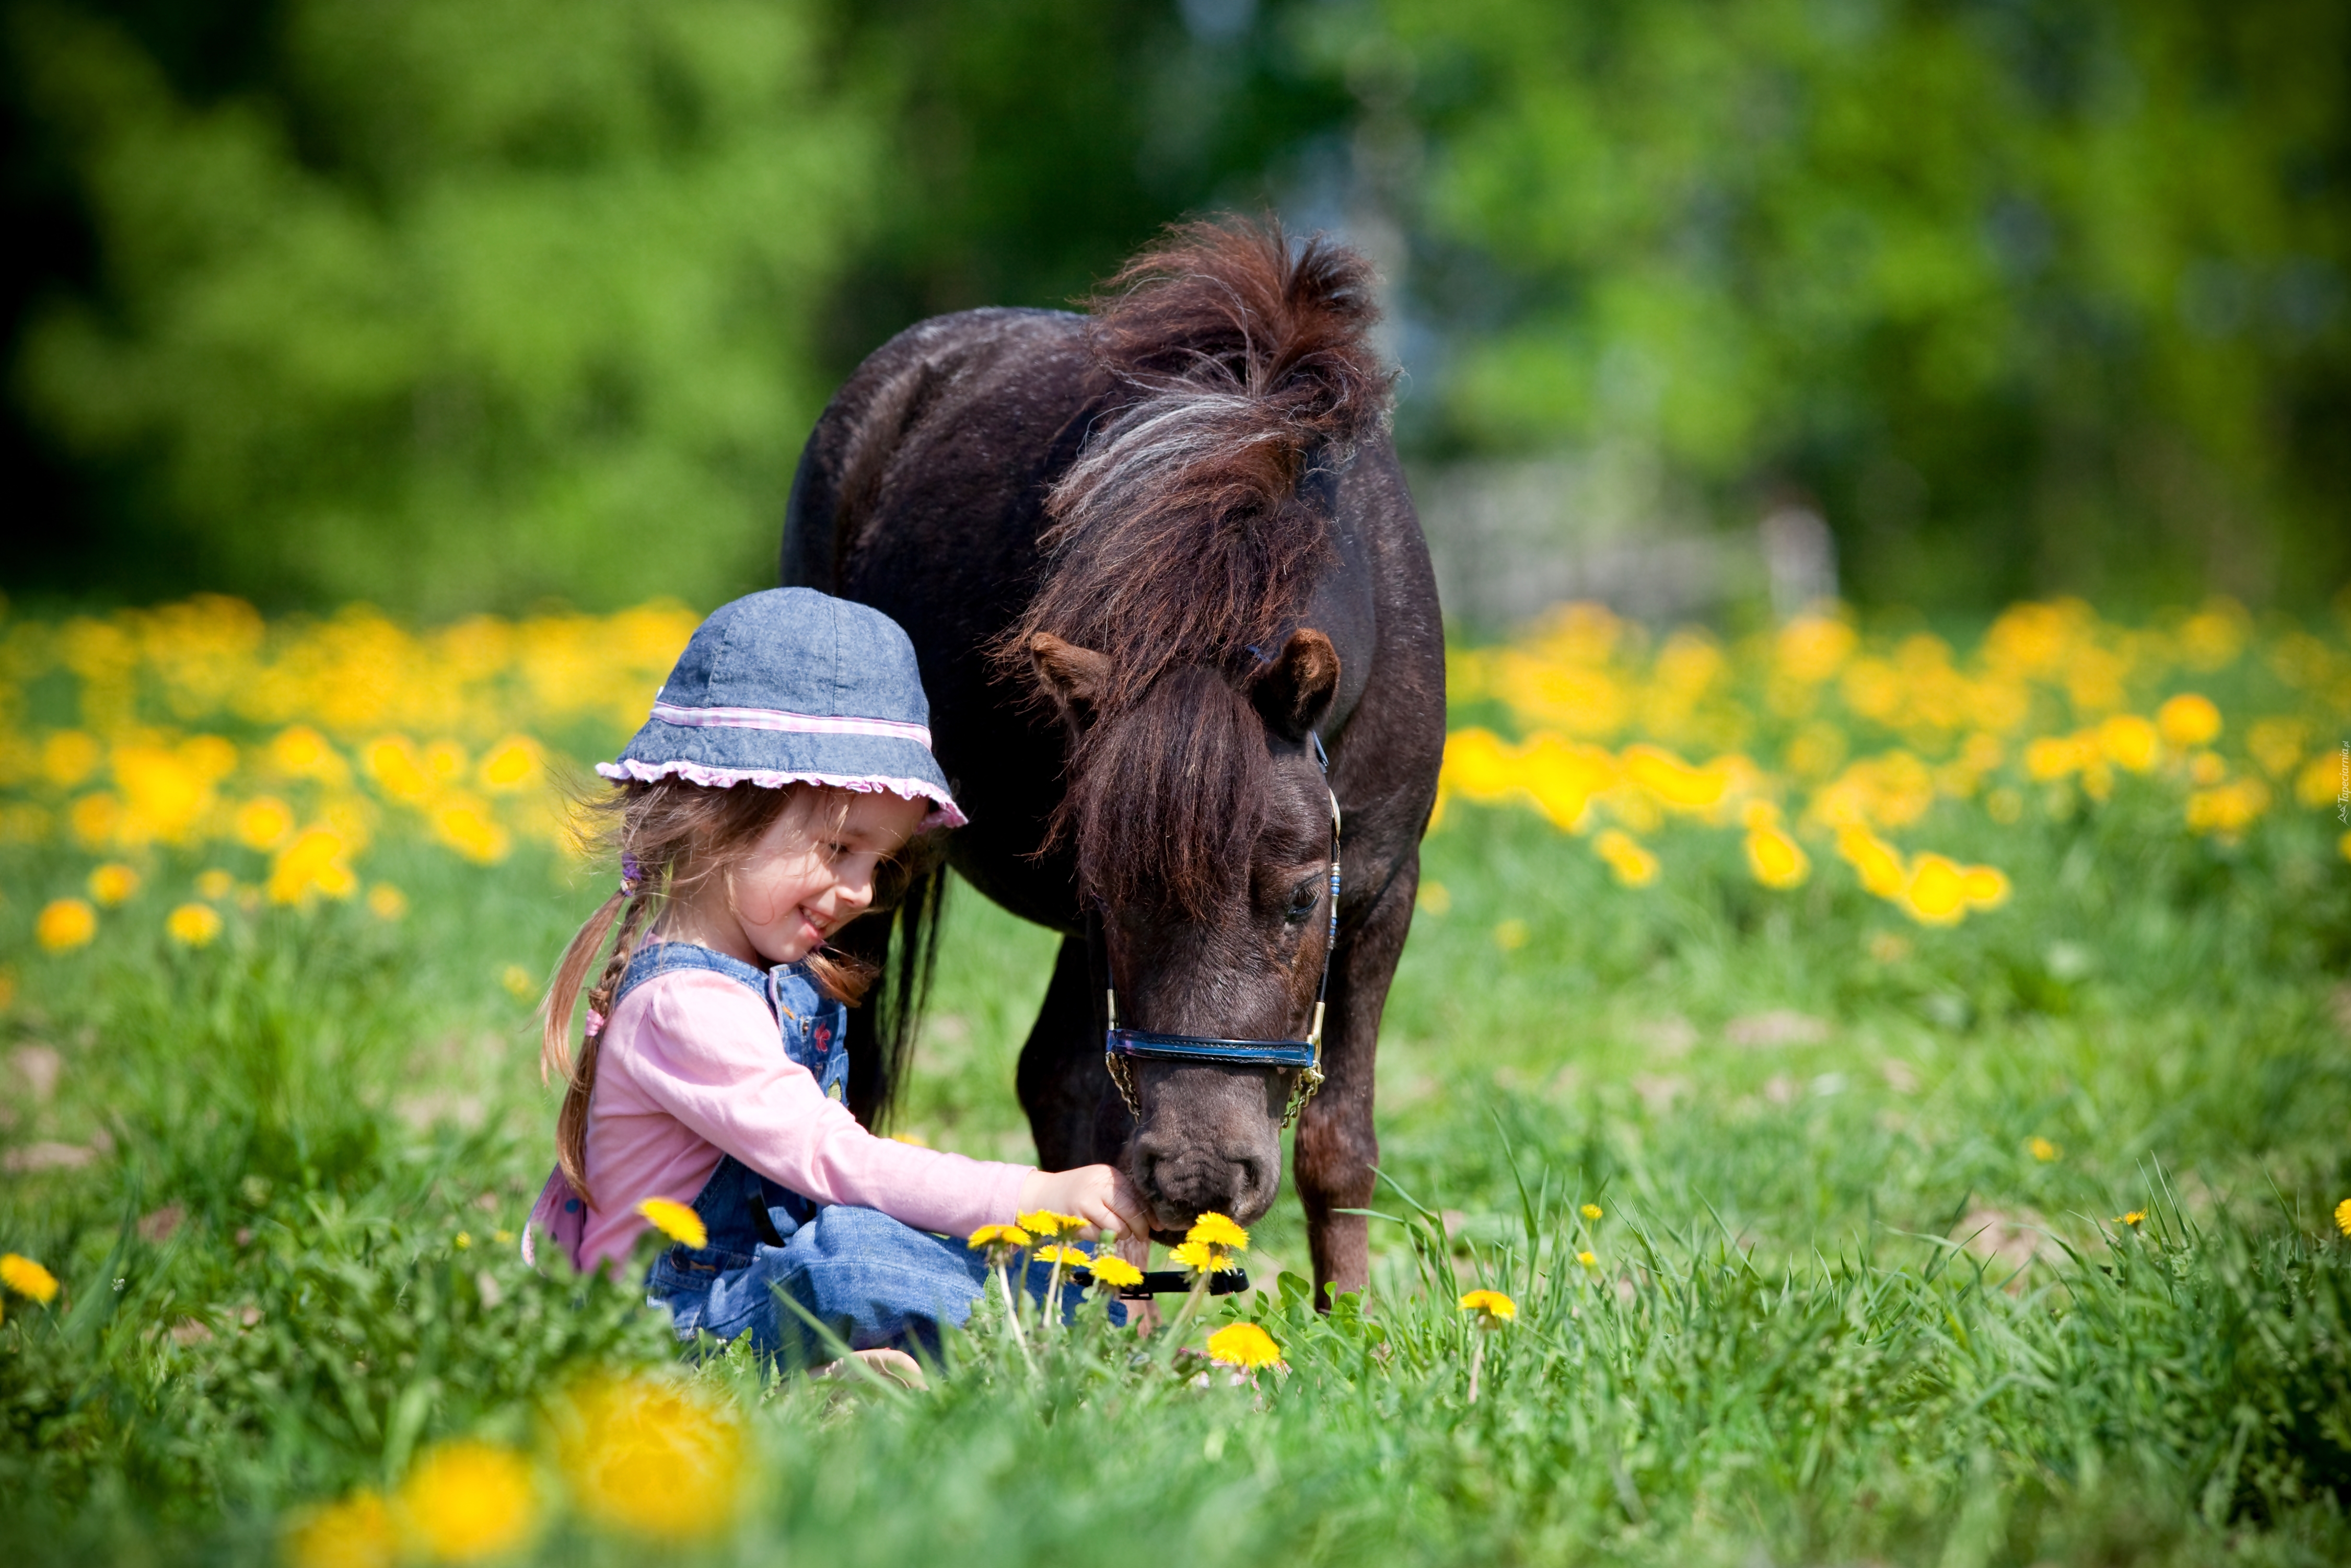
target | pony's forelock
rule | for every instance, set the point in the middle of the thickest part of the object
(1166, 804)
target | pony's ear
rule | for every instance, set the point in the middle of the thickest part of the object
(1076, 676)
(1294, 691)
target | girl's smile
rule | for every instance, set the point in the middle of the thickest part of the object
(811, 872)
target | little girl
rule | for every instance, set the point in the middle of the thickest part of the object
(785, 767)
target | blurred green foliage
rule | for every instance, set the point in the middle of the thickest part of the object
(506, 296)
(449, 306)
(2026, 293)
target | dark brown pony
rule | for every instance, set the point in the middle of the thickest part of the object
(1148, 555)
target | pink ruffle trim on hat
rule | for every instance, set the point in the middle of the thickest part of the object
(947, 814)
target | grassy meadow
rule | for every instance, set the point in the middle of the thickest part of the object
(1903, 1084)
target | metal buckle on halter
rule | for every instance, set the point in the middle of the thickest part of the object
(1122, 1046)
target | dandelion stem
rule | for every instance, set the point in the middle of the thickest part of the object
(1051, 1312)
(1013, 1313)
(1199, 1294)
(1476, 1364)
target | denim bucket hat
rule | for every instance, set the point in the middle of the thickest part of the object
(793, 687)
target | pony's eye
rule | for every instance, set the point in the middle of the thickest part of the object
(1301, 900)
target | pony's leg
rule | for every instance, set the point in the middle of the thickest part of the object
(1062, 1078)
(1337, 1147)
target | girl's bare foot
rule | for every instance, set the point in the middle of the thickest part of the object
(895, 1364)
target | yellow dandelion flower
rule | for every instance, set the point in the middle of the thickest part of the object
(1937, 891)
(1493, 1307)
(28, 1278)
(1983, 886)
(515, 763)
(444, 760)
(2042, 1149)
(192, 925)
(1112, 1272)
(1775, 859)
(1877, 862)
(65, 922)
(302, 752)
(392, 761)
(1590, 1211)
(2189, 720)
(264, 822)
(2132, 1218)
(1066, 1256)
(468, 1500)
(1201, 1258)
(2343, 1217)
(518, 982)
(651, 1457)
(1589, 1260)
(995, 1236)
(1045, 1222)
(386, 902)
(1510, 935)
(2128, 741)
(465, 825)
(1244, 1345)
(1217, 1230)
(114, 884)
(214, 884)
(313, 862)
(1631, 864)
(2229, 810)
(357, 1533)
(675, 1220)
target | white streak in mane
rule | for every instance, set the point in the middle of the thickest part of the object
(1149, 450)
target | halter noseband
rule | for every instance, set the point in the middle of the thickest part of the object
(1121, 1046)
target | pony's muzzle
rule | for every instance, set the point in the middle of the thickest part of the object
(1182, 1180)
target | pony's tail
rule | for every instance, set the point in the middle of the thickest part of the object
(628, 911)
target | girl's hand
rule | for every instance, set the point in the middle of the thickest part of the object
(1098, 1194)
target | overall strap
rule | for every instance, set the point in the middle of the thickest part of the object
(655, 958)
(769, 985)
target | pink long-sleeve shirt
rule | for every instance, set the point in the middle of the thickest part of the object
(690, 1069)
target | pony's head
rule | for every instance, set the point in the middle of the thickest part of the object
(1203, 830)
(1185, 541)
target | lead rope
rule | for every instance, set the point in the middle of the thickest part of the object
(1310, 1078)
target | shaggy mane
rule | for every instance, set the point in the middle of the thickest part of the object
(1178, 544)
(1178, 536)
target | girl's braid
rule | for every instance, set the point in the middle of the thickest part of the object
(571, 1123)
(624, 947)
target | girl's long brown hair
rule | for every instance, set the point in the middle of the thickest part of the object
(670, 836)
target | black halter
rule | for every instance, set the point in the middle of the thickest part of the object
(1121, 1046)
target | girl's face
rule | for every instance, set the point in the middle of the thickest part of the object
(804, 879)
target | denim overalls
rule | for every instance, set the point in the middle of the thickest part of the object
(871, 1279)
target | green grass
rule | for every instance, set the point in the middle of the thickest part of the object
(1838, 1309)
